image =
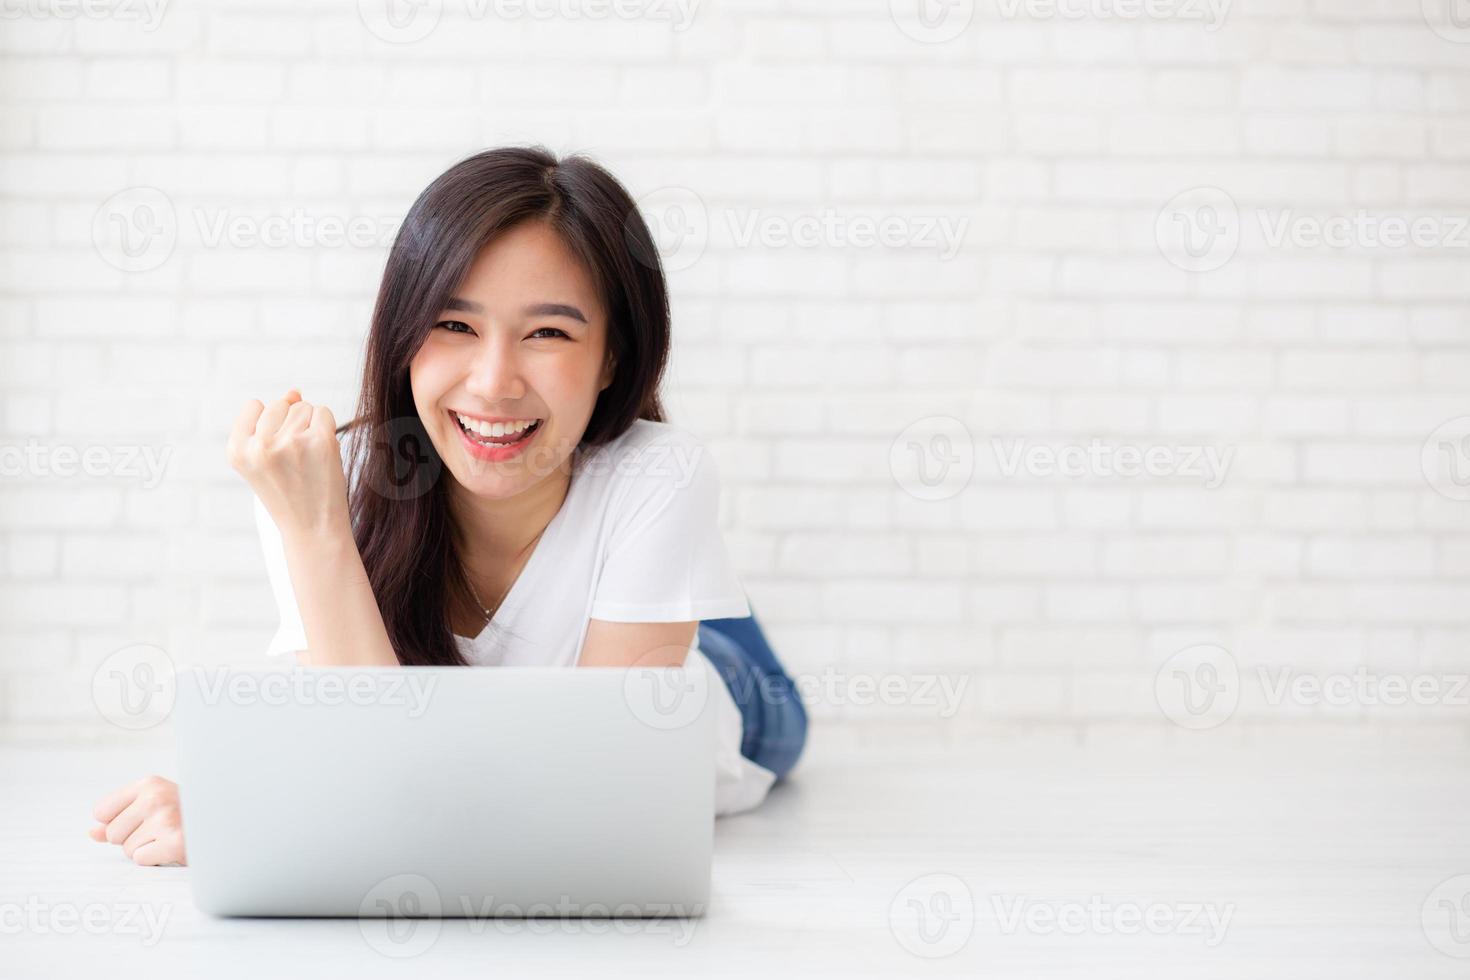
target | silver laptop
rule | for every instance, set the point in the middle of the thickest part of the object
(447, 791)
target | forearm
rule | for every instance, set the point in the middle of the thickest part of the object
(338, 611)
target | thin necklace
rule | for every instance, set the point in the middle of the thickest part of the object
(489, 613)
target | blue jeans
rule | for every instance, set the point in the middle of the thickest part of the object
(775, 719)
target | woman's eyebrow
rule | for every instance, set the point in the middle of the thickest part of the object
(554, 309)
(535, 309)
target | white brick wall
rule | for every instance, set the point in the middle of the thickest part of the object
(1050, 135)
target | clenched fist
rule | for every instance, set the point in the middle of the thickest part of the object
(144, 818)
(288, 452)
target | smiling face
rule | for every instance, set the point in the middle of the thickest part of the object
(523, 340)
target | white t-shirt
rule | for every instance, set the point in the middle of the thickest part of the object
(637, 539)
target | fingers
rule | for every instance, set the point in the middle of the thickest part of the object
(145, 834)
(298, 417)
(98, 833)
(115, 802)
(121, 827)
(270, 420)
(156, 852)
(244, 425)
(322, 418)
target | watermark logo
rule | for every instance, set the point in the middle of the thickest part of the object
(933, 916)
(934, 458)
(411, 463)
(830, 229)
(147, 14)
(1445, 459)
(567, 917)
(1209, 13)
(306, 686)
(1445, 917)
(1198, 230)
(1198, 687)
(1207, 464)
(400, 21)
(296, 228)
(932, 21)
(667, 698)
(135, 687)
(1099, 917)
(400, 916)
(129, 919)
(1450, 19)
(1363, 229)
(135, 230)
(1362, 688)
(147, 464)
(674, 223)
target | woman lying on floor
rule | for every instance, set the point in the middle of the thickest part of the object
(509, 446)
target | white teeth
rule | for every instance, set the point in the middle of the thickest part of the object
(490, 430)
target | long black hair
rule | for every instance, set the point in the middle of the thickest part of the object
(401, 519)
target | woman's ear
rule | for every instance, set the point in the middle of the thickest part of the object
(609, 370)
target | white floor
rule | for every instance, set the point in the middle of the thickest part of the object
(893, 852)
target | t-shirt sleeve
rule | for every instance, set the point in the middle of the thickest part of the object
(665, 559)
(290, 635)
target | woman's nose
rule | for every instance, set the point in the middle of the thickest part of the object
(495, 374)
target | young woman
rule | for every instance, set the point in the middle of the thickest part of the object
(509, 492)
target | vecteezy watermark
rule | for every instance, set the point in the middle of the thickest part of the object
(667, 697)
(672, 464)
(327, 687)
(136, 229)
(933, 916)
(838, 688)
(679, 229)
(1445, 459)
(669, 228)
(297, 228)
(932, 21)
(829, 228)
(1198, 687)
(1198, 230)
(1450, 19)
(135, 687)
(410, 465)
(141, 920)
(1208, 464)
(409, 21)
(139, 228)
(1362, 687)
(63, 461)
(147, 14)
(401, 916)
(675, 462)
(1363, 229)
(1210, 13)
(1099, 917)
(934, 458)
(1201, 686)
(1445, 917)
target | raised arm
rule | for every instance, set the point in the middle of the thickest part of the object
(288, 452)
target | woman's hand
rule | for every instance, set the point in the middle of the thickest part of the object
(288, 452)
(144, 818)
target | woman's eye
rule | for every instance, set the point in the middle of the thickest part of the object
(454, 326)
(550, 330)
